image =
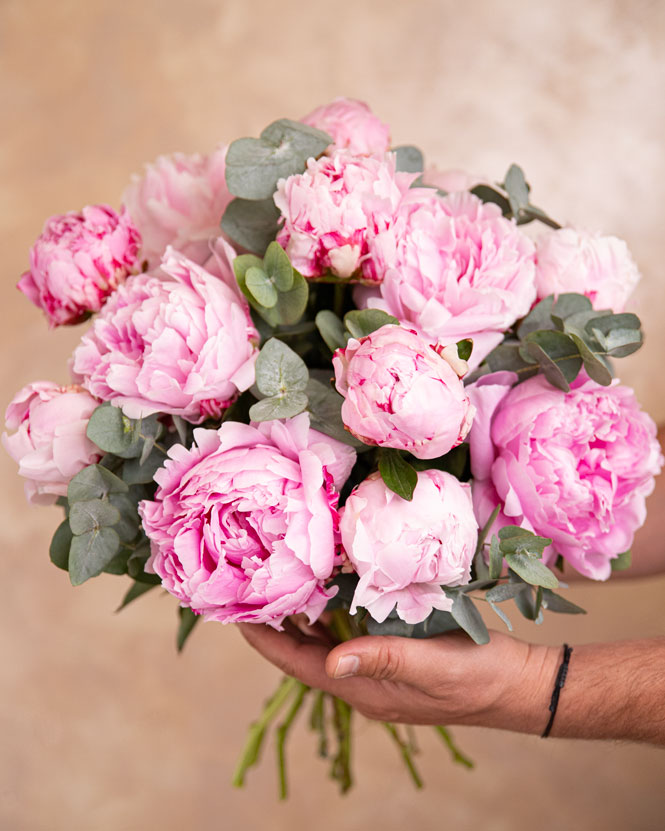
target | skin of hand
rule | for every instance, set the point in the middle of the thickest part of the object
(442, 680)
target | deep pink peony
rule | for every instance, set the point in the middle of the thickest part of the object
(400, 391)
(405, 551)
(574, 467)
(184, 346)
(78, 260)
(353, 126)
(179, 201)
(454, 268)
(244, 524)
(332, 210)
(49, 442)
(568, 260)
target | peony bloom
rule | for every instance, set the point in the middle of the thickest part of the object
(451, 181)
(79, 259)
(50, 442)
(244, 523)
(405, 551)
(184, 346)
(401, 392)
(574, 467)
(179, 201)
(453, 268)
(600, 267)
(332, 210)
(353, 127)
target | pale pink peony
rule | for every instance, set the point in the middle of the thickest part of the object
(244, 526)
(405, 551)
(179, 201)
(569, 260)
(78, 260)
(332, 210)
(353, 126)
(50, 442)
(450, 181)
(400, 391)
(184, 346)
(574, 467)
(453, 268)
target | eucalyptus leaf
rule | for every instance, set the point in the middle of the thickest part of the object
(504, 617)
(187, 620)
(618, 335)
(394, 626)
(540, 317)
(496, 560)
(346, 587)
(361, 323)
(261, 288)
(331, 329)
(409, 159)
(90, 553)
(290, 305)
(505, 591)
(555, 603)
(468, 617)
(516, 188)
(277, 266)
(506, 356)
(94, 482)
(532, 570)
(279, 370)
(113, 432)
(137, 562)
(127, 526)
(135, 473)
(91, 514)
(60, 544)
(436, 623)
(568, 304)
(325, 407)
(488, 194)
(135, 591)
(397, 474)
(286, 405)
(251, 224)
(557, 355)
(521, 541)
(525, 602)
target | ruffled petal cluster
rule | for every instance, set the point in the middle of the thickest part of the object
(454, 268)
(49, 440)
(184, 346)
(405, 551)
(244, 525)
(79, 259)
(574, 467)
(179, 200)
(333, 209)
(601, 267)
(400, 392)
(353, 127)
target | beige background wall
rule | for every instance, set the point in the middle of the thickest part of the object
(102, 726)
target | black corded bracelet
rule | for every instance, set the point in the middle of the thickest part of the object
(558, 686)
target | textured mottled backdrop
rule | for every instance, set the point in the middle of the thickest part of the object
(102, 726)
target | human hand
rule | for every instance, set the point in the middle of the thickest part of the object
(442, 680)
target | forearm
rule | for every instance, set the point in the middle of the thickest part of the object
(612, 691)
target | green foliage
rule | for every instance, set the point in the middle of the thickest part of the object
(622, 562)
(361, 323)
(91, 514)
(113, 432)
(325, 404)
(409, 159)
(94, 482)
(555, 603)
(331, 329)
(187, 620)
(253, 166)
(397, 473)
(467, 616)
(135, 591)
(272, 286)
(251, 224)
(282, 376)
(512, 197)
(464, 349)
(91, 552)
(59, 548)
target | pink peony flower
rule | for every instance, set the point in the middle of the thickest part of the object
(179, 201)
(353, 126)
(453, 268)
(50, 442)
(451, 181)
(405, 551)
(184, 346)
(568, 260)
(79, 259)
(401, 392)
(574, 467)
(332, 210)
(244, 523)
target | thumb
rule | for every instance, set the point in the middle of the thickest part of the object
(383, 658)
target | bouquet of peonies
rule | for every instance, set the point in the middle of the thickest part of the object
(371, 398)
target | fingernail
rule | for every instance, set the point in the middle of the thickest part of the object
(346, 666)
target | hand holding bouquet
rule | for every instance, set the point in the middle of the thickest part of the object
(368, 398)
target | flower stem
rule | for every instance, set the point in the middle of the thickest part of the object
(405, 750)
(340, 293)
(341, 766)
(457, 754)
(317, 722)
(257, 730)
(282, 731)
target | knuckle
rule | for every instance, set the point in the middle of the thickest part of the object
(387, 663)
